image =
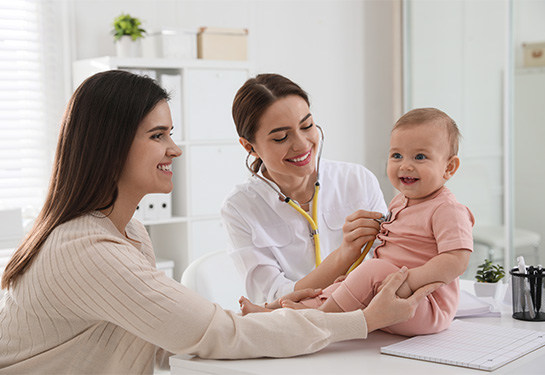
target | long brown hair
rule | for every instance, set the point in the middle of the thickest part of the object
(96, 133)
(252, 100)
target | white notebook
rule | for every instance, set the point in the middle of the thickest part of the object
(471, 305)
(474, 345)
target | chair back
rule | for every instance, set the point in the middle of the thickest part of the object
(11, 228)
(215, 277)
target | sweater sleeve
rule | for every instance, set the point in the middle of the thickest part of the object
(115, 282)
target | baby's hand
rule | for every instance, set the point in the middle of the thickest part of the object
(404, 291)
(339, 279)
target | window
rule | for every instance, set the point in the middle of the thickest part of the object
(31, 93)
(32, 98)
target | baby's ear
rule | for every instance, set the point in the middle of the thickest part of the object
(452, 166)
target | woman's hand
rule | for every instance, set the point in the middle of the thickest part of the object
(358, 229)
(299, 295)
(387, 309)
(404, 291)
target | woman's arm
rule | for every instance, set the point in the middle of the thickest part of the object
(286, 332)
(359, 228)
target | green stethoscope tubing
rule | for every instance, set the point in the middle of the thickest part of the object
(312, 220)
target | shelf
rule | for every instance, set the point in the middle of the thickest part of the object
(530, 70)
(171, 220)
(208, 142)
(107, 62)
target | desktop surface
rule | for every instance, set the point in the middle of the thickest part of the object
(364, 357)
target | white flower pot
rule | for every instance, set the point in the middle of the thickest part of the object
(126, 47)
(494, 290)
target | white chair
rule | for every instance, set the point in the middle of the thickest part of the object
(11, 228)
(11, 233)
(475, 187)
(493, 238)
(215, 277)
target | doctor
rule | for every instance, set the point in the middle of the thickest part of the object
(272, 243)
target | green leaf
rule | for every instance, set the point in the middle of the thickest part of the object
(124, 24)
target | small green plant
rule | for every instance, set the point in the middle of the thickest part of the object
(127, 25)
(489, 272)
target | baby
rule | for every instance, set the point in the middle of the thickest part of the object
(428, 230)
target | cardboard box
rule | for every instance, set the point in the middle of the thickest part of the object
(534, 54)
(222, 44)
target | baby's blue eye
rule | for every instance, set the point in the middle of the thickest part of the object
(397, 155)
(420, 157)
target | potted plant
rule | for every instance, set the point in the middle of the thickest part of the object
(127, 34)
(488, 278)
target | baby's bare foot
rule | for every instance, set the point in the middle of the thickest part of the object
(248, 307)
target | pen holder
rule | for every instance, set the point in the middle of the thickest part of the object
(528, 294)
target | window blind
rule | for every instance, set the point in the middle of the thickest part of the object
(32, 97)
(29, 96)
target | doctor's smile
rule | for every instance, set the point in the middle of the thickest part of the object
(303, 159)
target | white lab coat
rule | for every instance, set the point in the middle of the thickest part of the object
(270, 242)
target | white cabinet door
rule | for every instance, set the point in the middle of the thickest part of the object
(210, 94)
(213, 172)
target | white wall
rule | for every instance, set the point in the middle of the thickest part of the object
(529, 119)
(528, 25)
(339, 51)
(456, 64)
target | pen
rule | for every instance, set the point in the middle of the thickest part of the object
(526, 301)
(539, 275)
(532, 280)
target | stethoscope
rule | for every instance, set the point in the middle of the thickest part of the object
(313, 220)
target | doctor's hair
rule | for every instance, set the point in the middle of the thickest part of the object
(421, 116)
(254, 98)
(96, 134)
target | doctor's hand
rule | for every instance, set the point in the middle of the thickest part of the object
(387, 309)
(358, 229)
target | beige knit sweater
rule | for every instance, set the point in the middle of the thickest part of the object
(93, 302)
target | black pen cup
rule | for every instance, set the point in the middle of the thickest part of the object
(528, 294)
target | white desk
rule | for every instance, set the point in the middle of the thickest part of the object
(363, 357)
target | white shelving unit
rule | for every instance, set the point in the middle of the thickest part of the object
(212, 162)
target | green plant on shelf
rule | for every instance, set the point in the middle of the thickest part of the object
(489, 272)
(127, 25)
